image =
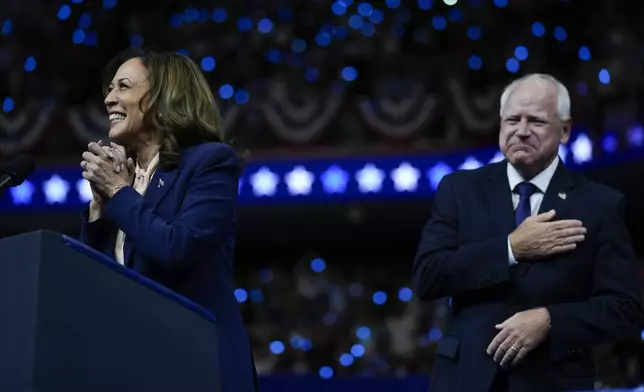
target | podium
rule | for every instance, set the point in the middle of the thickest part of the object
(72, 319)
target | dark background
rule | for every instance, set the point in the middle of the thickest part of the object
(367, 246)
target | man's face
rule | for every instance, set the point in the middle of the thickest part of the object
(531, 130)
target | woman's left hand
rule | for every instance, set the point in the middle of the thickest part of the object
(99, 171)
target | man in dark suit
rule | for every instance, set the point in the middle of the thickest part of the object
(536, 258)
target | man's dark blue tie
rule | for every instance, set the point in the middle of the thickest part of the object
(524, 210)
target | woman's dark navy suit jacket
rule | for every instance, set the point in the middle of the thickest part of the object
(181, 234)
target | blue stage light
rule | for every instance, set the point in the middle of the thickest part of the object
(318, 265)
(30, 64)
(349, 74)
(64, 12)
(7, 105)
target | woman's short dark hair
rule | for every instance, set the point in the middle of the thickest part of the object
(179, 104)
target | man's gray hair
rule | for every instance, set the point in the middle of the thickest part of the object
(563, 97)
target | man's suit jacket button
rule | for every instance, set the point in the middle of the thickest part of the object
(513, 304)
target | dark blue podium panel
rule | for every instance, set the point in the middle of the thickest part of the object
(71, 322)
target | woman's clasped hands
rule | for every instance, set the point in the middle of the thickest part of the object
(107, 169)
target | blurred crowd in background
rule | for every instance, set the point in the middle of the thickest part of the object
(339, 75)
(334, 77)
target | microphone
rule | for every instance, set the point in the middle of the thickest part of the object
(16, 171)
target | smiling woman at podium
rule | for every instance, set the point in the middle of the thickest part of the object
(165, 192)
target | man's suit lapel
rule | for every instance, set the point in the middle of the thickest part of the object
(558, 193)
(499, 200)
(158, 188)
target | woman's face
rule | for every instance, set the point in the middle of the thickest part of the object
(123, 101)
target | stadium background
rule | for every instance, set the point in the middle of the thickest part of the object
(353, 111)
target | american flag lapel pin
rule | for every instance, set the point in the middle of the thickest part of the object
(562, 196)
(161, 183)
